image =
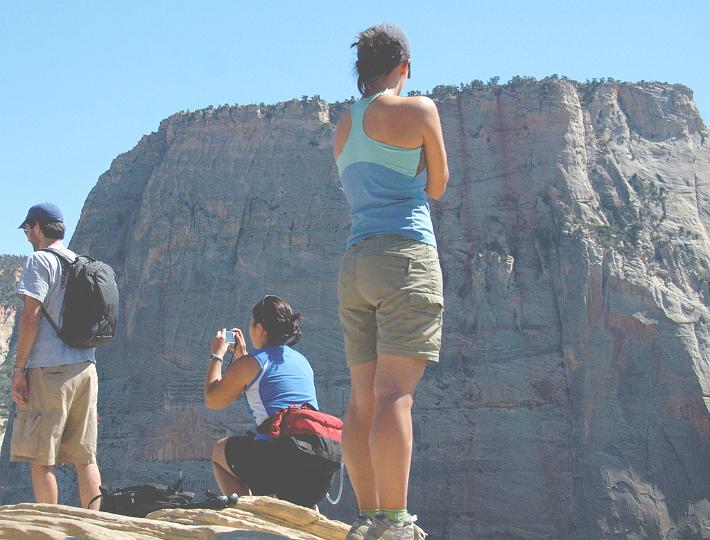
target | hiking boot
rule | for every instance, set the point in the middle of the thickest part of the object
(359, 528)
(383, 529)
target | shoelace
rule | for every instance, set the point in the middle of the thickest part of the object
(418, 530)
(419, 533)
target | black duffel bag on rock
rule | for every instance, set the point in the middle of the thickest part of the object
(139, 501)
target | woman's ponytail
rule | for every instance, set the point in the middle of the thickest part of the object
(282, 325)
(295, 329)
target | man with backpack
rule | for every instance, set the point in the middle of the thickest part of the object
(54, 384)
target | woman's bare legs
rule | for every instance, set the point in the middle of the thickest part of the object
(226, 480)
(377, 438)
(391, 435)
(356, 435)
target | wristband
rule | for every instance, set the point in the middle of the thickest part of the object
(18, 369)
(215, 356)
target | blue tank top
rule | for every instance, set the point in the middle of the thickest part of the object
(382, 184)
(285, 378)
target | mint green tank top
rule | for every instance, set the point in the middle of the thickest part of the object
(383, 185)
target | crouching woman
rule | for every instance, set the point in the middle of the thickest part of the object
(273, 376)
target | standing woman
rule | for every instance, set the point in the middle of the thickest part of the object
(391, 158)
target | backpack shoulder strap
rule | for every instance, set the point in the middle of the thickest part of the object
(51, 322)
(62, 256)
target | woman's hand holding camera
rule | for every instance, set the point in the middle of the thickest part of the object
(240, 344)
(219, 343)
(222, 342)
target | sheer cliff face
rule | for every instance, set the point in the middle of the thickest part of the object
(10, 271)
(7, 325)
(569, 401)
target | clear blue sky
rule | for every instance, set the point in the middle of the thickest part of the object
(83, 81)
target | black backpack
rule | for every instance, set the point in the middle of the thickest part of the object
(90, 305)
(139, 501)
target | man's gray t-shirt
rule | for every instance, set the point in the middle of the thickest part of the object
(42, 280)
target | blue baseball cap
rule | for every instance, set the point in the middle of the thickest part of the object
(43, 213)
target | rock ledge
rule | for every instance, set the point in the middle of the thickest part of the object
(253, 518)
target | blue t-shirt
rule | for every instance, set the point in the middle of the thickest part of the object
(285, 378)
(42, 280)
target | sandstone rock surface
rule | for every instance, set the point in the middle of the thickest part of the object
(571, 400)
(253, 518)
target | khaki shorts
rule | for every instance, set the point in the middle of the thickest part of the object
(58, 423)
(391, 301)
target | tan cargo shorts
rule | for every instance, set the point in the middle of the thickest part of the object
(390, 293)
(58, 422)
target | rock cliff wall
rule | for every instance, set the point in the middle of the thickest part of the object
(570, 401)
(10, 269)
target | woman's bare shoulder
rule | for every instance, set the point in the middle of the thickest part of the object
(418, 106)
(422, 104)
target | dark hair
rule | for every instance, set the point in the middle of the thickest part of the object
(53, 229)
(378, 53)
(282, 325)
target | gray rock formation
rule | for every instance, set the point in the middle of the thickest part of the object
(570, 398)
(10, 270)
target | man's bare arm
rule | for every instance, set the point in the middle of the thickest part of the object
(27, 333)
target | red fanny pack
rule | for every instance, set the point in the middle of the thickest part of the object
(303, 420)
